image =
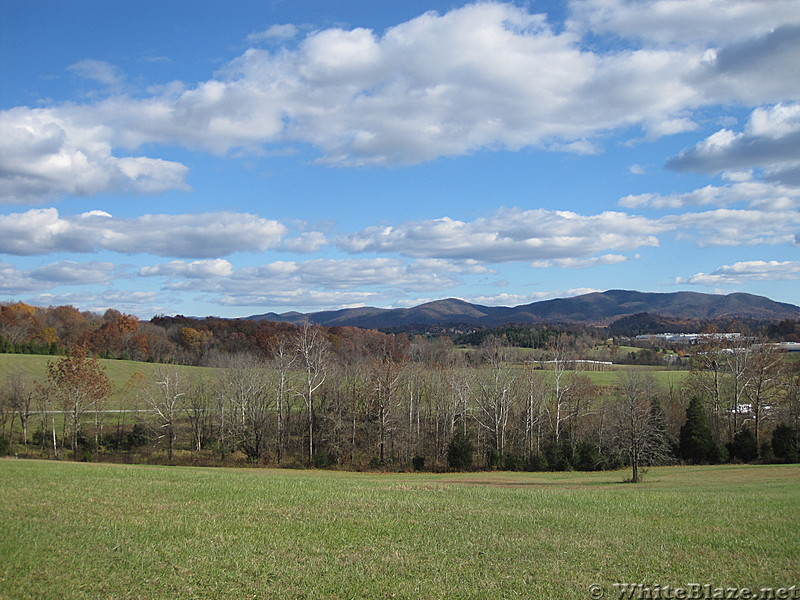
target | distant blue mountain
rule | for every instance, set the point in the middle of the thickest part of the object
(600, 308)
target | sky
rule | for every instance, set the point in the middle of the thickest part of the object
(238, 157)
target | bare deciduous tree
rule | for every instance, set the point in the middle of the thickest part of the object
(165, 397)
(637, 431)
(313, 350)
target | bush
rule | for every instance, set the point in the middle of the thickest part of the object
(588, 457)
(538, 463)
(459, 452)
(513, 462)
(743, 446)
(786, 443)
(4, 446)
(418, 463)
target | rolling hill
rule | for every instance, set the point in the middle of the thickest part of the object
(599, 308)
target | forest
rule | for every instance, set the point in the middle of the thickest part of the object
(296, 396)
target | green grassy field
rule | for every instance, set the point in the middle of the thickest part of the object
(34, 367)
(79, 531)
(119, 372)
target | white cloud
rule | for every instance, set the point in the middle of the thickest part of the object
(205, 235)
(319, 282)
(198, 269)
(306, 242)
(744, 272)
(771, 139)
(272, 33)
(44, 154)
(69, 272)
(688, 22)
(99, 71)
(510, 235)
(726, 227)
(756, 194)
(520, 299)
(501, 78)
(302, 298)
(15, 282)
(581, 263)
(636, 170)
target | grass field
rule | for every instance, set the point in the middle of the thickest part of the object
(79, 531)
(119, 372)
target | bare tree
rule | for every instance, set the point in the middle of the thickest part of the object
(637, 432)
(245, 387)
(313, 350)
(199, 410)
(21, 396)
(384, 379)
(495, 394)
(765, 370)
(535, 392)
(283, 361)
(165, 398)
(560, 363)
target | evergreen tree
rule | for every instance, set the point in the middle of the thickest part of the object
(744, 445)
(696, 443)
(659, 449)
(786, 443)
(459, 452)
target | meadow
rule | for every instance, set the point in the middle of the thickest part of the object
(86, 531)
(121, 374)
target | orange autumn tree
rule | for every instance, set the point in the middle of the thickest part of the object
(78, 384)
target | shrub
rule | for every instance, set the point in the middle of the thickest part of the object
(786, 443)
(744, 446)
(459, 452)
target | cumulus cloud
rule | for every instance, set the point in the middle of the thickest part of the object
(427, 274)
(69, 272)
(319, 282)
(306, 242)
(581, 263)
(44, 154)
(15, 281)
(319, 300)
(771, 139)
(669, 22)
(519, 299)
(510, 235)
(756, 194)
(746, 271)
(727, 227)
(204, 235)
(198, 269)
(502, 78)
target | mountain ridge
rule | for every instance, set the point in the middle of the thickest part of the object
(596, 308)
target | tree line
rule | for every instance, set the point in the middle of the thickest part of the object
(314, 396)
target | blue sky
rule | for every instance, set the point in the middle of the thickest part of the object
(233, 158)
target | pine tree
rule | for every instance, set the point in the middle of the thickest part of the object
(459, 452)
(696, 443)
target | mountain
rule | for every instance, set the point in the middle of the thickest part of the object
(599, 308)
